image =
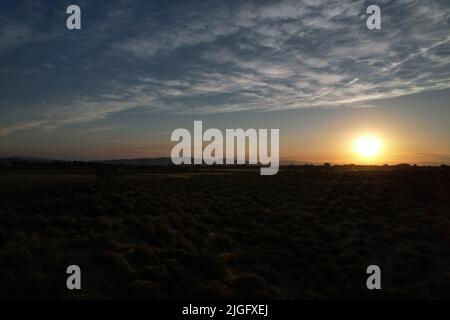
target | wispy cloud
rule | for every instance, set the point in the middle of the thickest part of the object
(219, 57)
(12, 35)
(7, 129)
(100, 129)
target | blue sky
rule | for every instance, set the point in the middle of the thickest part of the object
(139, 69)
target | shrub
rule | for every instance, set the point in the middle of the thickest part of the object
(118, 265)
(248, 283)
(143, 289)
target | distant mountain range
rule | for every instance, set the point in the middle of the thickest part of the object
(139, 162)
(161, 161)
(168, 161)
(7, 160)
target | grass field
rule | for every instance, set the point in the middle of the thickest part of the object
(306, 233)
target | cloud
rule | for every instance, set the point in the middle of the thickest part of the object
(422, 52)
(98, 129)
(13, 35)
(353, 81)
(214, 57)
(8, 129)
(82, 110)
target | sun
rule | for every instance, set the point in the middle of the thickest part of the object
(368, 146)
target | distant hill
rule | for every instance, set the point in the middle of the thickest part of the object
(168, 161)
(8, 160)
(294, 163)
(163, 161)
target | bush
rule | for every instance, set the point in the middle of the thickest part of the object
(142, 289)
(248, 283)
(118, 265)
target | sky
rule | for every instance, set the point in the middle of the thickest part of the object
(137, 70)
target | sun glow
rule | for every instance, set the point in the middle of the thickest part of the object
(368, 147)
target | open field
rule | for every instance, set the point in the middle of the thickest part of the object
(306, 233)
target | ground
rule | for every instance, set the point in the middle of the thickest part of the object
(306, 233)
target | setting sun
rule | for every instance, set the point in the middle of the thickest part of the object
(368, 146)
